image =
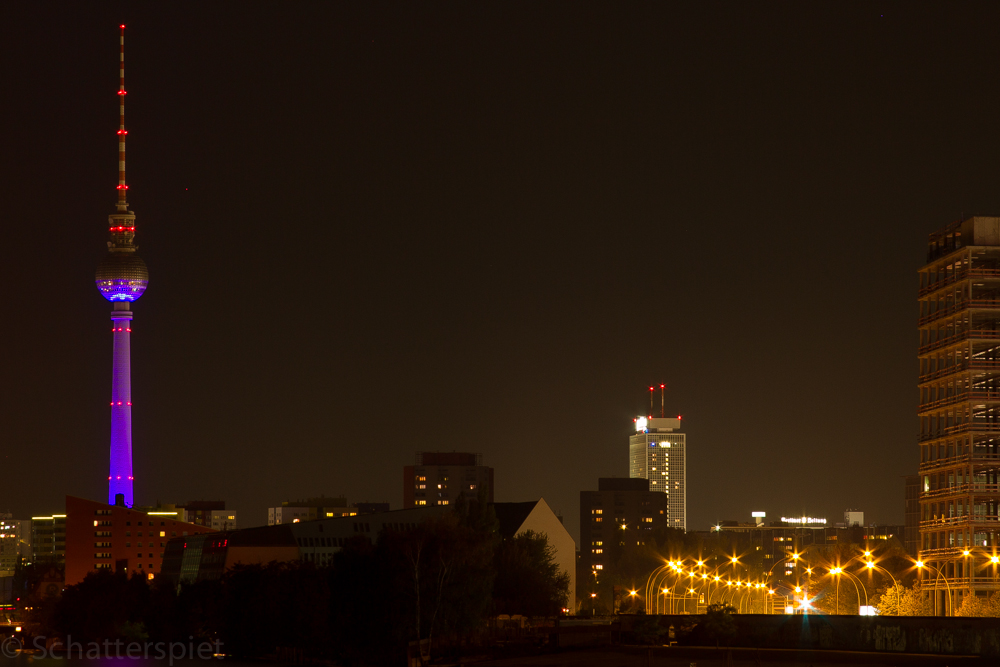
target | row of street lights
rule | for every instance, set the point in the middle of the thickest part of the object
(700, 581)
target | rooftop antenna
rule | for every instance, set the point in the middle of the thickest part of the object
(650, 402)
(662, 389)
(122, 187)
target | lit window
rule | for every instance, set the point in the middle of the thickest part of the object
(421, 502)
(598, 567)
(597, 511)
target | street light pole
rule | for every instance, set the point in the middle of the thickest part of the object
(921, 564)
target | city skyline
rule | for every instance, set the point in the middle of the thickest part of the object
(509, 216)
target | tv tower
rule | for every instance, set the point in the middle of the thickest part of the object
(122, 278)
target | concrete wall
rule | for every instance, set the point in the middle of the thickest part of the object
(890, 634)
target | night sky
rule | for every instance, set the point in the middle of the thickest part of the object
(374, 230)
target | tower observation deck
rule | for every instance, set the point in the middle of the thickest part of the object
(121, 278)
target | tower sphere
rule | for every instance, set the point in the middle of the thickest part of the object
(122, 276)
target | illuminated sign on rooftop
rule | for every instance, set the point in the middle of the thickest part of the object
(802, 519)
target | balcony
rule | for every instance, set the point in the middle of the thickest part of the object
(970, 304)
(960, 398)
(961, 459)
(974, 365)
(959, 336)
(957, 276)
(978, 427)
(991, 521)
(962, 490)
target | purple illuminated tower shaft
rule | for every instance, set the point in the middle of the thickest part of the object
(121, 278)
(120, 476)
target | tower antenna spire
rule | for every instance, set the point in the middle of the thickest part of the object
(122, 132)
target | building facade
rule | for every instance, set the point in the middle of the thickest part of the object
(48, 539)
(959, 411)
(113, 537)
(208, 556)
(536, 516)
(15, 543)
(209, 513)
(657, 454)
(310, 509)
(615, 520)
(439, 478)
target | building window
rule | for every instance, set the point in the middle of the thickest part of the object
(597, 511)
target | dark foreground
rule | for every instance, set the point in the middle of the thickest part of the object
(738, 657)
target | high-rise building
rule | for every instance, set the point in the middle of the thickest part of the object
(15, 543)
(439, 478)
(48, 539)
(121, 278)
(657, 454)
(959, 411)
(615, 521)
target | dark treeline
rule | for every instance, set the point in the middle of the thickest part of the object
(441, 581)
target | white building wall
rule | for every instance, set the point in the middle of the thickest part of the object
(543, 520)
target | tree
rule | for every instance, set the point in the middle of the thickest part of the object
(984, 607)
(103, 606)
(528, 580)
(719, 624)
(898, 600)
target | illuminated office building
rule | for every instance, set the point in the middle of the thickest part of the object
(657, 454)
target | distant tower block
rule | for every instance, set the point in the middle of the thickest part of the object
(657, 453)
(121, 278)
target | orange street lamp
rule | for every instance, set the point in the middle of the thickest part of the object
(921, 564)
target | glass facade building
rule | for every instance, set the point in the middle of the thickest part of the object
(657, 453)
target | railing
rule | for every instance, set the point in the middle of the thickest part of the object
(965, 304)
(959, 275)
(957, 520)
(959, 428)
(930, 466)
(958, 368)
(964, 334)
(961, 489)
(959, 398)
